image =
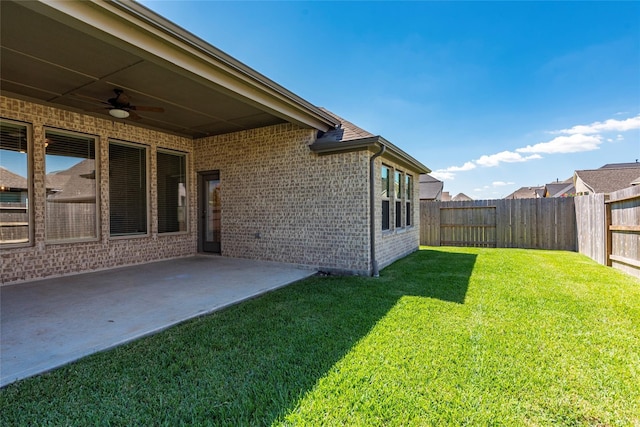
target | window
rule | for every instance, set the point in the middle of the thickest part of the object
(15, 215)
(127, 189)
(401, 198)
(397, 194)
(70, 184)
(408, 185)
(172, 192)
(385, 193)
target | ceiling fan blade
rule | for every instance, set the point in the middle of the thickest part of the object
(144, 108)
(133, 116)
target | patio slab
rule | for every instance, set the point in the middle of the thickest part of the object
(48, 323)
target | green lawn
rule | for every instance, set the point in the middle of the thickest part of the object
(446, 336)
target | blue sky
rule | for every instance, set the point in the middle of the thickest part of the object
(492, 96)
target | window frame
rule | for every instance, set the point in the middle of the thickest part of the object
(398, 199)
(185, 210)
(96, 151)
(408, 178)
(385, 195)
(147, 199)
(29, 172)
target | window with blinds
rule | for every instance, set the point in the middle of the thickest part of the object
(127, 189)
(172, 191)
(71, 186)
(15, 215)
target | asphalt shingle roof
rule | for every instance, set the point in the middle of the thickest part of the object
(430, 187)
(350, 131)
(11, 180)
(606, 180)
(526, 193)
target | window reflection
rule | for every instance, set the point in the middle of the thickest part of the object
(14, 184)
(70, 186)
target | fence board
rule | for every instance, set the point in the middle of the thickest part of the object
(624, 230)
(590, 219)
(606, 229)
(503, 223)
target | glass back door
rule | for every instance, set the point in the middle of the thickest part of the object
(210, 212)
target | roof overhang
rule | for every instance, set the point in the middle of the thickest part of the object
(372, 144)
(73, 54)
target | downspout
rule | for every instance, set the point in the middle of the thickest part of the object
(372, 210)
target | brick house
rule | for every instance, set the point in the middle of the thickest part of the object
(139, 142)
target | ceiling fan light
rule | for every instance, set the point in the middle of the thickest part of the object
(119, 113)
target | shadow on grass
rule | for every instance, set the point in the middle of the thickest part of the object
(247, 365)
(433, 274)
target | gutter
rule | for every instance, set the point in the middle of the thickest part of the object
(390, 152)
(372, 143)
(375, 271)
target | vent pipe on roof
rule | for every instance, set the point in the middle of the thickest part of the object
(375, 272)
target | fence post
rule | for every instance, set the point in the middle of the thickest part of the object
(608, 231)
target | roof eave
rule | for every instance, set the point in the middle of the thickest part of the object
(372, 144)
(143, 30)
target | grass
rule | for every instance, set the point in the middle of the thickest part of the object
(452, 336)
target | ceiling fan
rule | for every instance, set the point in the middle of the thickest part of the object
(121, 107)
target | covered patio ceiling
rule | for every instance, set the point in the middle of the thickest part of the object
(73, 55)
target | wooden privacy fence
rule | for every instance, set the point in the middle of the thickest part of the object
(609, 228)
(503, 223)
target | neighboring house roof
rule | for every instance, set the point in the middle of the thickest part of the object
(527, 193)
(621, 165)
(76, 184)
(430, 188)
(560, 189)
(348, 137)
(636, 181)
(609, 179)
(10, 180)
(461, 197)
(78, 52)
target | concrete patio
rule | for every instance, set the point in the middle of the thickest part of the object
(48, 323)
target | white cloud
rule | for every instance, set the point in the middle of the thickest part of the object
(466, 167)
(443, 175)
(572, 140)
(565, 144)
(504, 157)
(448, 173)
(611, 125)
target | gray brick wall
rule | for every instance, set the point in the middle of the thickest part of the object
(395, 243)
(41, 259)
(307, 209)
